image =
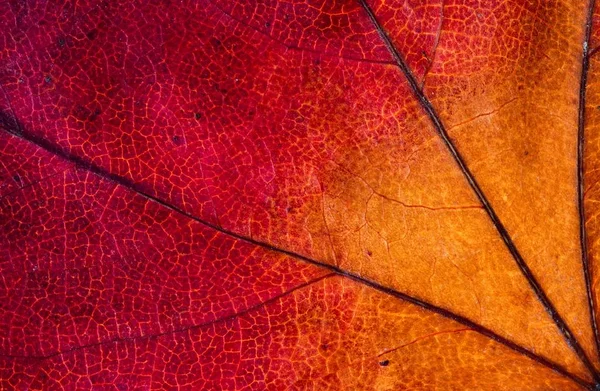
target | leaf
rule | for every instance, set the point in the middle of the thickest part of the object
(326, 195)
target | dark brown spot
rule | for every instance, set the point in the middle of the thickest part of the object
(177, 140)
(94, 115)
(217, 44)
(92, 34)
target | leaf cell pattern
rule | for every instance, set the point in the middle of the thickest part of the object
(299, 195)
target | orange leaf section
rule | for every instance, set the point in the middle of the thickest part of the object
(505, 82)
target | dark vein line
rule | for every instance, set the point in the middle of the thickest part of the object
(435, 45)
(296, 47)
(441, 130)
(182, 329)
(33, 183)
(587, 270)
(485, 114)
(404, 204)
(469, 323)
(12, 126)
(423, 338)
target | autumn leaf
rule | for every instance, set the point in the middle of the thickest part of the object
(299, 195)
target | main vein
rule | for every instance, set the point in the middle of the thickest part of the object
(441, 130)
(587, 270)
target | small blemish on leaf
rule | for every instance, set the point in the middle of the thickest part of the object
(369, 253)
(92, 34)
(216, 43)
(526, 153)
(17, 178)
(219, 88)
(47, 79)
(177, 140)
(61, 42)
(197, 115)
(95, 114)
(384, 363)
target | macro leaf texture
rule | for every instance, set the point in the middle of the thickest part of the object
(299, 195)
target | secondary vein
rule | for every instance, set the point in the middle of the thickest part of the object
(587, 271)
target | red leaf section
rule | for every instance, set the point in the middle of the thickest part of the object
(88, 262)
(102, 262)
(194, 101)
